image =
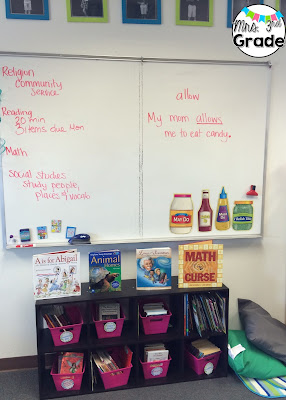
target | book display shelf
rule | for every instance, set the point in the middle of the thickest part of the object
(132, 335)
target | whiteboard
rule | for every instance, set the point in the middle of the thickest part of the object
(204, 128)
(81, 145)
(90, 142)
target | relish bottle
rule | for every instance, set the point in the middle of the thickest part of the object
(205, 213)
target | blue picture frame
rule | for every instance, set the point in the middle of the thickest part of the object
(26, 12)
(230, 10)
(141, 11)
(70, 232)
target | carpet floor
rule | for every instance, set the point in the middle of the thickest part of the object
(23, 385)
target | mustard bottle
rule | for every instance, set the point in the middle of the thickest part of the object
(222, 222)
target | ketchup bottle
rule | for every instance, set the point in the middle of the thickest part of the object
(205, 213)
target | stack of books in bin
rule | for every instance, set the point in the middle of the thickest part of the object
(114, 366)
(70, 363)
(203, 347)
(155, 352)
(202, 356)
(108, 311)
(149, 312)
(108, 318)
(64, 323)
(151, 309)
(67, 371)
(56, 316)
(156, 361)
(105, 362)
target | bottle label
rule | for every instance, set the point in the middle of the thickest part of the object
(182, 218)
(205, 218)
(242, 218)
(222, 215)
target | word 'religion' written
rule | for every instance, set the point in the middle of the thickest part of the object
(27, 79)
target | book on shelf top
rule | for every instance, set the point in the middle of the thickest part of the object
(105, 271)
(56, 274)
(200, 265)
(153, 268)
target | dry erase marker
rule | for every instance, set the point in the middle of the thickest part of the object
(25, 245)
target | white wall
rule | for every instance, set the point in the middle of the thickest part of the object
(253, 269)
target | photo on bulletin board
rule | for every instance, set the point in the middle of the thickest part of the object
(281, 6)
(141, 11)
(27, 9)
(235, 6)
(194, 12)
(87, 10)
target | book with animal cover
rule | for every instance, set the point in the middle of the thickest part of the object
(153, 268)
(200, 265)
(105, 271)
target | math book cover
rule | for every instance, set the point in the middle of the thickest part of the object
(56, 274)
(154, 268)
(200, 265)
(105, 271)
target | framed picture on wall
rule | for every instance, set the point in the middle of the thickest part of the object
(87, 10)
(194, 12)
(281, 6)
(235, 6)
(27, 9)
(141, 11)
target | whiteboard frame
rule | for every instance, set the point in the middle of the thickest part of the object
(143, 60)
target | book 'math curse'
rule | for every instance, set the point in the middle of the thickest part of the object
(200, 265)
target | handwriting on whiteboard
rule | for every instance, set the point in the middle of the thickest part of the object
(26, 122)
(26, 79)
(192, 126)
(18, 151)
(48, 185)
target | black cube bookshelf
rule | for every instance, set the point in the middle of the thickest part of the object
(132, 335)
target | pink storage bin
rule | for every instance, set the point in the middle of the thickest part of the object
(66, 382)
(155, 369)
(155, 324)
(203, 365)
(108, 327)
(68, 334)
(118, 377)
